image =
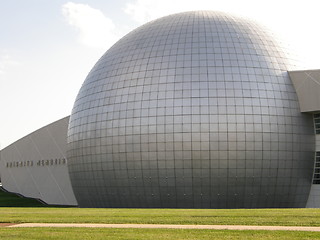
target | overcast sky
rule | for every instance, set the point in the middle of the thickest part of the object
(47, 47)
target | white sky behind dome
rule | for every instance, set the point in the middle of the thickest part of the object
(48, 47)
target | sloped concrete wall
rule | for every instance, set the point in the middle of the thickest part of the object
(36, 165)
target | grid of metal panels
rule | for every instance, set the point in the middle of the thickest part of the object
(193, 110)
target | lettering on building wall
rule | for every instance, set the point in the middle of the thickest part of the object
(47, 162)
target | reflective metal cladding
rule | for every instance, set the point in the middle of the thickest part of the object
(193, 110)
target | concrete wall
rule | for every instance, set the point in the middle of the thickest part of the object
(314, 196)
(36, 165)
(307, 85)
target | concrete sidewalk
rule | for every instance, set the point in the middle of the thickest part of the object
(168, 226)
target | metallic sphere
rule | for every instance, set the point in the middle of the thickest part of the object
(193, 110)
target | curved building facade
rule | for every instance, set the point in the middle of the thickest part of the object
(193, 110)
(35, 166)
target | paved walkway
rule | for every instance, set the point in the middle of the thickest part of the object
(167, 226)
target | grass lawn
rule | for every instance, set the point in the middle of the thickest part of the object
(163, 234)
(13, 200)
(285, 217)
(281, 217)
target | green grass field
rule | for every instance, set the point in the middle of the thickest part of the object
(284, 217)
(281, 217)
(146, 234)
(13, 200)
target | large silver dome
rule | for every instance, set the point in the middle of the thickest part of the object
(193, 110)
